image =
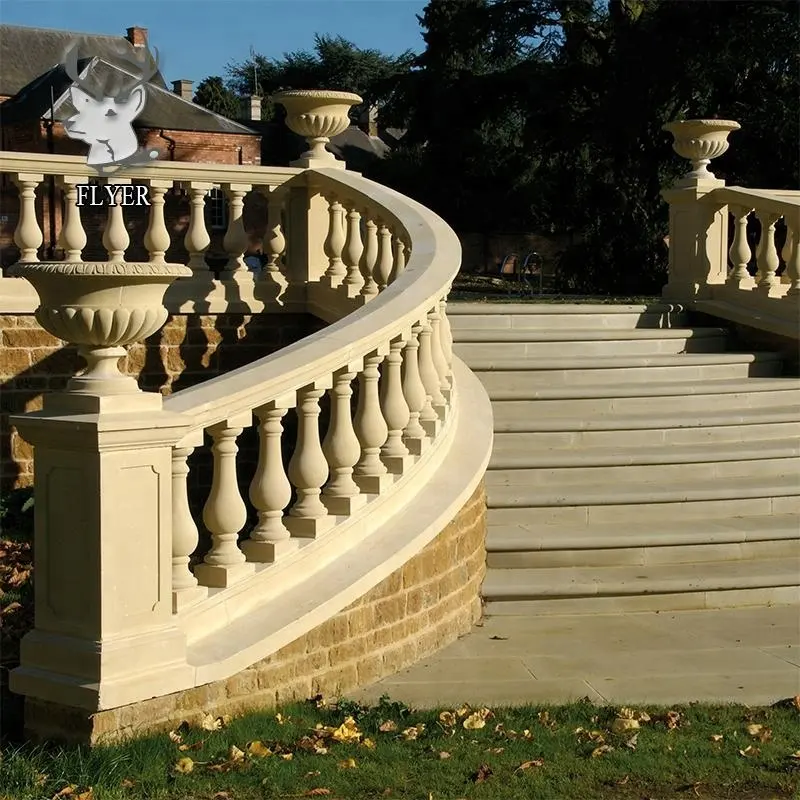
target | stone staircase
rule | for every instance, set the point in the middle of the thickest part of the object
(637, 465)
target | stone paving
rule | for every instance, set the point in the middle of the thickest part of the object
(743, 655)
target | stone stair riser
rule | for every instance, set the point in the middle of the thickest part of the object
(640, 347)
(549, 322)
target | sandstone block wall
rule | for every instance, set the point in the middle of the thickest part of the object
(430, 601)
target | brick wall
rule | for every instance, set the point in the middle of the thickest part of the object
(187, 350)
(430, 601)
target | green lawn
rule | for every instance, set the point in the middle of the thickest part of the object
(352, 753)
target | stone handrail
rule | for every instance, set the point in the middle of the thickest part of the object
(715, 268)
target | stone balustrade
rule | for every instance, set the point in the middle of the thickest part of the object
(734, 252)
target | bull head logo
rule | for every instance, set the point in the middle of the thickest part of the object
(105, 113)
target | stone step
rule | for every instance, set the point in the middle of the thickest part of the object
(552, 316)
(653, 397)
(479, 344)
(513, 452)
(499, 375)
(645, 430)
(509, 591)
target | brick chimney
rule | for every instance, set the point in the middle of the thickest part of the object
(250, 108)
(137, 36)
(183, 89)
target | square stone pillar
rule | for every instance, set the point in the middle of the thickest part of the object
(104, 633)
(698, 241)
(307, 221)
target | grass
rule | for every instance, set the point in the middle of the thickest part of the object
(388, 751)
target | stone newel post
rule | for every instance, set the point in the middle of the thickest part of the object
(698, 232)
(104, 633)
(316, 115)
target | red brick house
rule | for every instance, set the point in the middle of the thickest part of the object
(35, 101)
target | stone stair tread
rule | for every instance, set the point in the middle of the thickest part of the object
(533, 309)
(612, 492)
(519, 423)
(643, 389)
(516, 453)
(566, 363)
(529, 537)
(554, 582)
(477, 335)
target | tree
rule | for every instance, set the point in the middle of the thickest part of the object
(215, 96)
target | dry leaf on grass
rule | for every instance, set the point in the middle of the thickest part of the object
(673, 720)
(717, 737)
(759, 732)
(412, 734)
(484, 772)
(750, 751)
(347, 731)
(602, 750)
(368, 744)
(633, 741)
(183, 766)
(127, 783)
(67, 791)
(390, 726)
(448, 719)
(495, 750)
(526, 765)
(348, 763)
(318, 792)
(624, 724)
(474, 722)
(287, 756)
(223, 796)
(212, 723)
(795, 755)
(444, 755)
(258, 749)
(281, 720)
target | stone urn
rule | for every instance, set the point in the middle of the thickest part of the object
(316, 115)
(101, 307)
(700, 140)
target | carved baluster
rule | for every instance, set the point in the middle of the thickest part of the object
(72, 237)
(786, 251)
(739, 252)
(308, 469)
(414, 392)
(395, 409)
(353, 249)
(767, 256)
(225, 513)
(399, 262)
(185, 589)
(197, 238)
(341, 447)
(28, 235)
(274, 244)
(235, 241)
(334, 244)
(156, 238)
(368, 261)
(435, 401)
(793, 261)
(371, 429)
(115, 236)
(437, 350)
(447, 338)
(270, 490)
(383, 267)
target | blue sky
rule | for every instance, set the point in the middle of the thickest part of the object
(196, 38)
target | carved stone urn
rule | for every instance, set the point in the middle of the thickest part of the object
(101, 307)
(316, 115)
(700, 140)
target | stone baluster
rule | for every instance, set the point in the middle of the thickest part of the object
(28, 235)
(437, 351)
(370, 472)
(786, 251)
(197, 238)
(793, 260)
(369, 259)
(399, 261)
(115, 236)
(308, 469)
(447, 338)
(334, 244)
(385, 262)
(435, 402)
(274, 244)
(270, 490)
(767, 254)
(156, 238)
(235, 241)
(740, 253)
(342, 495)
(395, 409)
(225, 513)
(414, 435)
(353, 249)
(72, 237)
(185, 589)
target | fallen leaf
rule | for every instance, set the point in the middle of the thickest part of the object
(258, 750)
(754, 730)
(127, 783)
(87, 795)
(444, 755)
(474, 722)
(716, 737)
(223, 796)
(287, 756)
(348, 763)
(448, 719)
(347, 731)
(388, 727)
(495, 750)
(318, 792)
(632, 742)
(796, 754)
(312, 774)
(624, 724)
(412, 734)
(759, 732)
(212, 723)
(194, 746)
(280, 719)
(184, 765)
(484, 772)
(175, 737)
(673, 720)
(631, 713)
(66, 791)
(235, 754)
(525, 765)
(369, 744)
(750, 751)
(602, 750)
(463, 711)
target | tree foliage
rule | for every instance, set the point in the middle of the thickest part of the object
(213, 94)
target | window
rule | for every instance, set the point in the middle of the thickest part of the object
(218, 210)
